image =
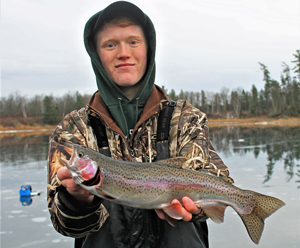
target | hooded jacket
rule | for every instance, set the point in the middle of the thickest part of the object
(106, 224)
(120, 107)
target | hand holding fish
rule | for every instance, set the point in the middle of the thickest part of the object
(75, 190)
(186, 211)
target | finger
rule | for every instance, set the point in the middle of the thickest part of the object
(76, 190)
(176, 211)
(186, 216)
(81, 195)
(70, 184)
(190, 206)
(63, 173)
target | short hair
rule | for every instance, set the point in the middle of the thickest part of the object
(121, 22)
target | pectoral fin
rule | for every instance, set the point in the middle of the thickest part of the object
(174, 210)
(170, 220)
(171, 213)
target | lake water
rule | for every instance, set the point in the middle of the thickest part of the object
(264, 160)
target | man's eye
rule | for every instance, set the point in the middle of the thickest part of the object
(110, 45)
(134, 42)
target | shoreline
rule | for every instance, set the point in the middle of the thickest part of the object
(27, 128)
(256, 121)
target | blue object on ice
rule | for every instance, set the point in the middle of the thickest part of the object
(26, 194)
(25, 190)
(25, 200)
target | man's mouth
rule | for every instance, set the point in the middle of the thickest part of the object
(124, 65)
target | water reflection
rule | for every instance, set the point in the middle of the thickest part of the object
(279, 143)
(24, 151)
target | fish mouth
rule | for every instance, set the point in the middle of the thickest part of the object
(93, 181)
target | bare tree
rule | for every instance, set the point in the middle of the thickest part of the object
(210, 98)
(224, 98)
(22, 104)
(236, 102)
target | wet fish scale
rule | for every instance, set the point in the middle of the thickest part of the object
(155, 185)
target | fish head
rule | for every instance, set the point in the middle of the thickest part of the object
(80, 165)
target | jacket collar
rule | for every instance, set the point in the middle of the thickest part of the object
(152, 105)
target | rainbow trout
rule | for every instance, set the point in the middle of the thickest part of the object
(155, 185)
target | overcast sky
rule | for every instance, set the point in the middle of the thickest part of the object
(201, 44)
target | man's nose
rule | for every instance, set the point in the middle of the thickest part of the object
(124, 51)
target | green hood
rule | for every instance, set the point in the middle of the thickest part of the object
(124, 111)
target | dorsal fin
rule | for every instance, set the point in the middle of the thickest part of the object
(227, 179)
(173, 162)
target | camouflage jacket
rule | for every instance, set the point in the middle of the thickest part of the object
(188, 137)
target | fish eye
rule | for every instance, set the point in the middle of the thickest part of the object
(80, 154)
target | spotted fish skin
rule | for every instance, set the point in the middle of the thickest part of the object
(155, 185)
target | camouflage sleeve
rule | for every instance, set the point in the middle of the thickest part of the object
(68, 217)
(189, 138)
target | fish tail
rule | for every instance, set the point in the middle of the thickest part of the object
(264, 207)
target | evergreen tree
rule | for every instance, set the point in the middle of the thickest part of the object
(297, 62)
(34, 106)
(80, 103)
(286, 77)
(164, 89)
(294, 108)
(181, 95)
(68, 104)
(254, 107)
(262, 102)
(203, 101)
(11, 106)
(191, 97)
(245, 100)
(285, 86)
(275, 98)
(267, 80)
(172, 95)
(51, 114)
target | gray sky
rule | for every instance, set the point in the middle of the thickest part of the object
(201, 44)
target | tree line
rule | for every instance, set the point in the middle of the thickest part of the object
(277, 98)
(51, 109)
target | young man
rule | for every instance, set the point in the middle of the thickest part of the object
(121, 121)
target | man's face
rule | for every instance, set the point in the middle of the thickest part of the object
(123, 53)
